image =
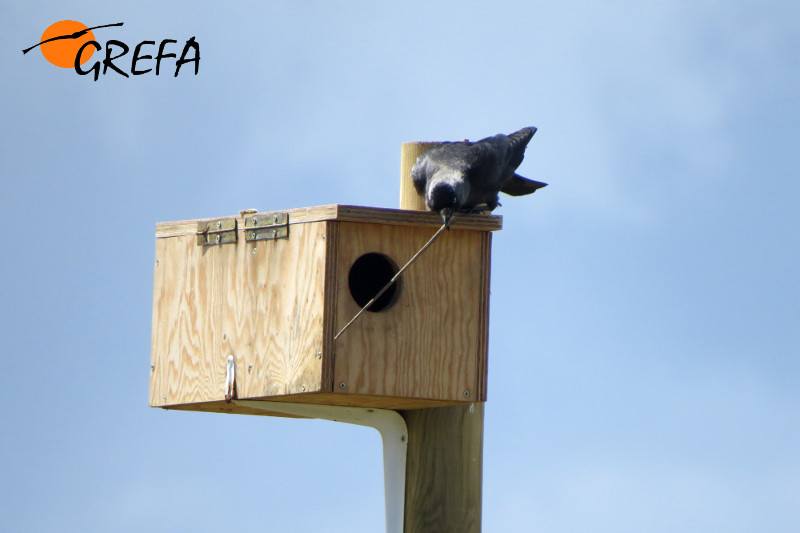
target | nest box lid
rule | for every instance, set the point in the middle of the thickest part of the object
(351, 213)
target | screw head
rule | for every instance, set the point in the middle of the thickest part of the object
(466, 394)
(342, 385)
(254, 251)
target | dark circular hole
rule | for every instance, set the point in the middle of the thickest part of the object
(368, 275)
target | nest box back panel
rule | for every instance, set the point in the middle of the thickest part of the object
(429, 340)
(261, 302)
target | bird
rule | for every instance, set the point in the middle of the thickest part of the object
(466, 177)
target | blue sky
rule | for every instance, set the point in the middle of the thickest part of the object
(644, 333)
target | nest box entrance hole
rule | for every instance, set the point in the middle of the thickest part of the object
(367, 277)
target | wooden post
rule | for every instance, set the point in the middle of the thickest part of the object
(444, 469)
(409, 198)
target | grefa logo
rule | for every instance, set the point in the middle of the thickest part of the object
(71, 44)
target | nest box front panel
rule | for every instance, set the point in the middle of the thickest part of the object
(429, 340)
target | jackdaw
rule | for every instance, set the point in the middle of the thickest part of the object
(466, 176)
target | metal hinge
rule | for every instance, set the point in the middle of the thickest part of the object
(219, 231)
(266, 226)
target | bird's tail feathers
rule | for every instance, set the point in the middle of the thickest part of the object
(519, 186)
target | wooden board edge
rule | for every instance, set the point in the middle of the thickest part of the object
(405, 217)
(483, 319)
(318, 398)
(330, 294)
(223, 407)
(348, 213)
(156, 367)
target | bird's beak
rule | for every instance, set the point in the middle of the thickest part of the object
(447, 216)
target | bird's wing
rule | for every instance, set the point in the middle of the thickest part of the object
(419, 174)
(518, 186)
(447, 155)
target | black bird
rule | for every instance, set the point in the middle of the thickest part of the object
(466, 176)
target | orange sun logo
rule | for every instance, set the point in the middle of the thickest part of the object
(67, 38)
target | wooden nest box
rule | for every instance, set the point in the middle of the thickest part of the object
(272, 290)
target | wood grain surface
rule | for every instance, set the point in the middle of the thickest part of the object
(444, 470)
(261, 302)
(430, 343)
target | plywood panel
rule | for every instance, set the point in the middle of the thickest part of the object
(187, 365)
(273, 313)
(429, 344)
(264, 308)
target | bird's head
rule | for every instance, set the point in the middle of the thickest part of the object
(447, 192)
(443, 199)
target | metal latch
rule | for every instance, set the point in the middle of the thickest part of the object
(230, 379)
(219, 231)
(266, 226)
